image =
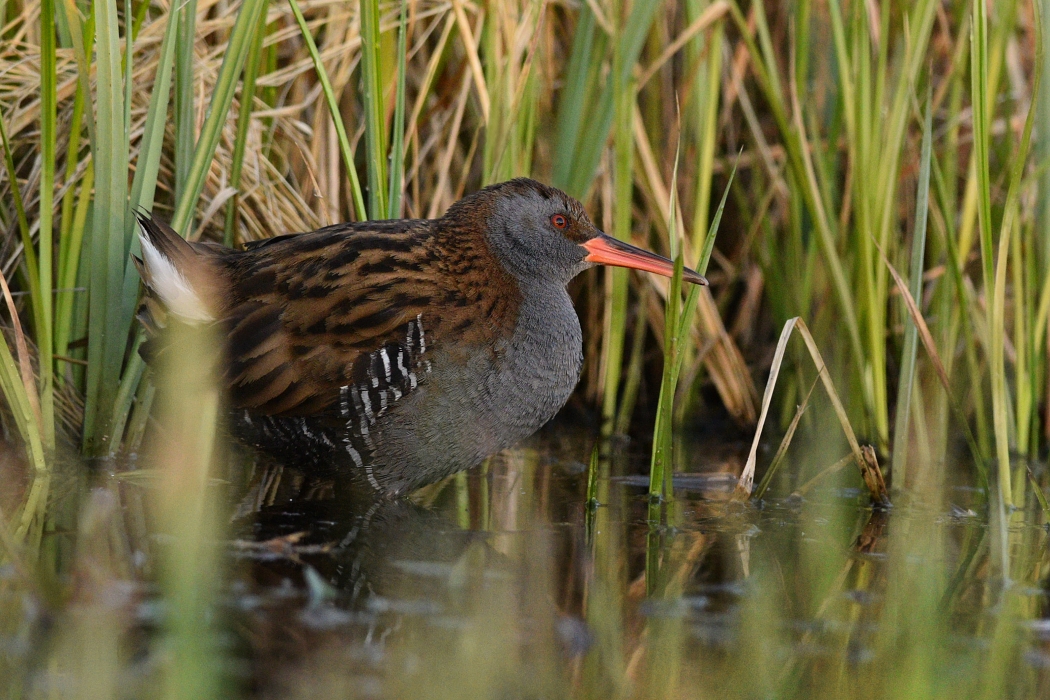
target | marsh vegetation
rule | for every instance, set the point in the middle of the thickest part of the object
(866, 181)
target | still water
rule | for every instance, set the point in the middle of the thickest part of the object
(504, 583)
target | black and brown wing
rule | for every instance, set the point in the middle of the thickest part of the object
(314, 315)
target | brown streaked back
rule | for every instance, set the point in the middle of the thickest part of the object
(306, 313)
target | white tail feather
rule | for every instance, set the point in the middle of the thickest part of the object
(171, 285)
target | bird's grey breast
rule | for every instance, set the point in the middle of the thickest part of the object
(476, 401)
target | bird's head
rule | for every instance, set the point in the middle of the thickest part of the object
(540, 233)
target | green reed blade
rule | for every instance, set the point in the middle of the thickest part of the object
(16, 193)
(1040, 497)
(185, 113)
(712, 229)
(579, 82)
(18, 389)
(628, 48)
(911, 332)
(584, 130)
(982, 110)
(68, 200)
(616, 110)
(72, 248)
(82, 35)
(800, 161)
(144, 183)
(1009, 227)
(222, 97)
(1026, 278)
(129, 385)
(374, 106)
(616, 314)
(886, 169)
(244, 119)
(678, 322)
(29, 252)
(106, 343)
(333, 110)
(660, 471)
(707, 88)
(397, 147)
(129, 61)
(139, 18)
(45, 293)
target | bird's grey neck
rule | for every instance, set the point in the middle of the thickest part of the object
(546, 314)
(543, 358)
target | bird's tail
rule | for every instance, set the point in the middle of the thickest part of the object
(178, 275)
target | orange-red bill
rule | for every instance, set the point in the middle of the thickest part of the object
(606, 250)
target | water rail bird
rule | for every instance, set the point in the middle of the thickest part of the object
(395, 352)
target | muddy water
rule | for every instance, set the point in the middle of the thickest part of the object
(504, 584)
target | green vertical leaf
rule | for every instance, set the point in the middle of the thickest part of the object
(244, 118)
(397, 147)
(911, 331)
(374, 107)
(333, 109)
(106, 342)
(185, 114)
(222, 98)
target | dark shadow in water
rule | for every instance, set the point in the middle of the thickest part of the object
(334, 579)
(352, 540)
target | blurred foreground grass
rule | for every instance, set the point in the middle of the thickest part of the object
(220, 116)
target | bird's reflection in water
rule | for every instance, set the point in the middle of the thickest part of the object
(352, 543)
(354, 596)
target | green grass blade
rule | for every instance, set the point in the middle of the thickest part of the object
(72, 249)
(911, 332)
(374, 107)
(678, 323)
(129, 62)
(222, 98)
(82, 35)
(800, 162)
(1043, 147)
(1010, 227)
(45, 294)
(106, 342)
(32, 270)
(244, 118)
(707, 90)
(144, 184)
(586, 130)
(628, 46)
(66, 256)
(616, 314)
(660, 471)
(185, 113)
(16, 382)
(982, 110)
(1026, 278)
(333, 109)
(579, 82)
(712, 230)
(16, 194)
(397, 147)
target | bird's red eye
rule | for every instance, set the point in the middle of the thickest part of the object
(559, 221)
